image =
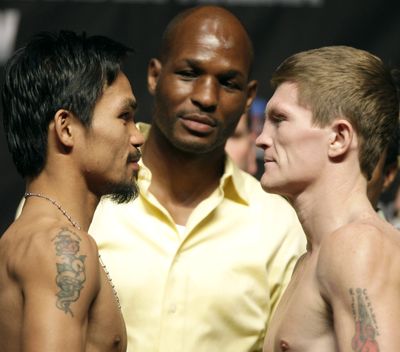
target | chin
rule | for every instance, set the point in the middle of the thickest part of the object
(122, 192)
(271, 187)
(195, 146)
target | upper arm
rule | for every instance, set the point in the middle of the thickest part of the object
(59, 277)
(359, 274)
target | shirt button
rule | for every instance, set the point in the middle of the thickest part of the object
(172, 309)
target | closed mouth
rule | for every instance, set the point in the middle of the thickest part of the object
(200, 118)
(134, 158)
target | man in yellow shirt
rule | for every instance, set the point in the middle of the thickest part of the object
(200, 259)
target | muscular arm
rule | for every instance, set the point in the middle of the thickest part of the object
(359, 272)
(59, 278)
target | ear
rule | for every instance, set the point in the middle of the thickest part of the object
(63, 127)
(153, 74)
(251, 93)
(341, 138)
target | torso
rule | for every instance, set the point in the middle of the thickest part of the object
(302, 320)
(106, 330)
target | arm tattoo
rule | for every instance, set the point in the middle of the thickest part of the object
(365, 320)
(70, 269)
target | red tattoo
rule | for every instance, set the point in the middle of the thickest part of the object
(366, 328)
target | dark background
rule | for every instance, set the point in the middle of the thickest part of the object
(278, 28)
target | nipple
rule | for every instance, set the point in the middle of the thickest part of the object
(284, 346)
(117, 340)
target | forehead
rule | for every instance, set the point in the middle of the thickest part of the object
(215, 35)
(286, 99)
(211, 39)
(286, 95)
(117, 95)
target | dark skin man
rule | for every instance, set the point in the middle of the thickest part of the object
(211, 252)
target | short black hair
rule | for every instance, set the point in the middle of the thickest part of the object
(54, 71)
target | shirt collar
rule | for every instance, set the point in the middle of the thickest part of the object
(233, 182)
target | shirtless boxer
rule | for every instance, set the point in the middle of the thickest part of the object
(69, 121)
(329, 120)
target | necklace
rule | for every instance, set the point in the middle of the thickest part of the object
(111, 282)
(60, 208)
(76, 225)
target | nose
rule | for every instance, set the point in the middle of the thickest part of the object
(136, 137)
(206, 94)
(264, 140)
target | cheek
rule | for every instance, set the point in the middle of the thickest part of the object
(232, 104)
(172, 91)
(310, 151)
(229, 113)
(112, 144)
(299, 146)
(243, 147)
(235, 147)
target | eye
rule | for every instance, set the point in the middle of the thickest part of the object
(277, 118)
(231, 84)
(127, 116)
(232, 80)
(187, 74)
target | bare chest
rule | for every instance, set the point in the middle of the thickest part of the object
(302, 321)
(106, 327)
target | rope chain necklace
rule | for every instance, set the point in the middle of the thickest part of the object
(60, 208)
(76, 225)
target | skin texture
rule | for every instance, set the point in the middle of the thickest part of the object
(200, 88)
(343, 295)
(292, 147)
(51, 281)
(103, 144)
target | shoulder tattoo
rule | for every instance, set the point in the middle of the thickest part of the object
(365, 322)
(71, 273)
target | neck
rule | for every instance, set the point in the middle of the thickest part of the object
(181, 180)
(322, 210)
(183, 172)
(75, 203)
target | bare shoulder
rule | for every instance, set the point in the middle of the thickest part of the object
(45, 241)
(358, 276)
(359, 253)
(56, 259)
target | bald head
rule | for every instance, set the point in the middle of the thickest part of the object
(214, 24)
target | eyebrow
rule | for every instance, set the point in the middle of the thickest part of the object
(129, 103)
(277, 109)
(232, 74)
(226, 74)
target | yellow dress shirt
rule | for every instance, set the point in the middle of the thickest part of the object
(210, 286)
